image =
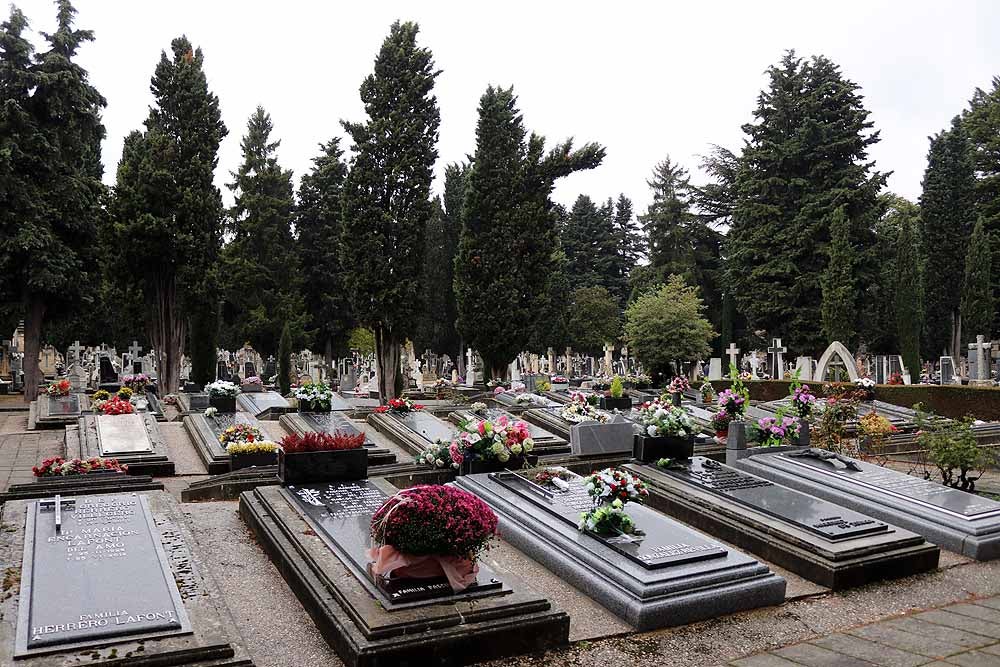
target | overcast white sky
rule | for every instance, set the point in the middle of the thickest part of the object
(643, 79)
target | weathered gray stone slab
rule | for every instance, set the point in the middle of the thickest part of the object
(678, 577)
(960, 521)
(413, 431)
(264, 404)
(122, 434)
(86, 442)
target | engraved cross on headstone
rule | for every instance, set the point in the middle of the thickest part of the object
(57, 505)
(732, 351)
(777, 361)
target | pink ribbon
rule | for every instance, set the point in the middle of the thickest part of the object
(387, 560)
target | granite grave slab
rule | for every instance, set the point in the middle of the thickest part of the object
(823, 542)
(57, 411)
(546, 442)
(413, 431)
(263, 404)
(329, 422)
(133, 439)
(205, 431)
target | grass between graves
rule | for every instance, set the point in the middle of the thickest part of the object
(953, 401)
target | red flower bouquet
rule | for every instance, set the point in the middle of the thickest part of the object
(58, 466)
(431, 531)
(399, 406)
(117, 406)
(60, 388)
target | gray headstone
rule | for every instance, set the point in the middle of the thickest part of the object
(122, 434)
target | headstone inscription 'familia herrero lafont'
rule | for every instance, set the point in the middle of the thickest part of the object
(94, 571)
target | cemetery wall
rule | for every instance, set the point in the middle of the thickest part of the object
(953, 401)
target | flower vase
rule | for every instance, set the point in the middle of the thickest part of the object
(676, 398)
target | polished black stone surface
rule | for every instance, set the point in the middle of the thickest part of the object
(61, 406)
(817, 516)
(341, 514)
(99, 574)
(266, 400)
(663, 542)
(427, 426)
(901, 485)
(328, 422)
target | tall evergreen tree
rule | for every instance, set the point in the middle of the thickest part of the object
(437, 322)
(168, 212)
(908, 293)
(806, 155)
(318, 223)
(589, 241)
(838, 281)
(947, 215)
(667, 222)
(262, 278)
(50, 171)
(977, 288)
(716, 200)
(630, 246)
(982, 122)
(387, 195)
(502, 281)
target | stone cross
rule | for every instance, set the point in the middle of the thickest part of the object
(56, 505)
(134, 351)
(982, 368)
(732, 351)
(470, 372)
(552, 360)
(74, 351)
(777, 361)
(609, 351)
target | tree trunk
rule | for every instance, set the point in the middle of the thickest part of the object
(34, 313)
(387, 363)
(328, 356)
(956, 337)
(167, 329)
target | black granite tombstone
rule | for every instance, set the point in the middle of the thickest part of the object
(108, 375)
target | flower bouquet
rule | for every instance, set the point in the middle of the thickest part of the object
(579, 410)
(707, 392)
(895, 379)
(248, 454)
(667, 431)
(732, 403)
(550, 475)
(802, 401)
(529, 399)
(487, 446)
(559, 382)
(399, 406)
(117, 406)
(638, 380)
(777, 431)
(610, 490)
(678, 385)
(865, 388)
(720, 424)
(58, 388)
(57, 466)
(99, 398)
(314, 397)
(322, 457)
(438, 455)
(222, 395)
(137, 383)
(252, 384)
(240, 433)
(428, 532)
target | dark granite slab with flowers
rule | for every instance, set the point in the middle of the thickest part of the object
(301, 423)
(669, 575)
(263, 404)
(960, 521)
(133, 439)
(317, 536)
(546, 442)
(834, 546)
(205, 431)
(413, 430)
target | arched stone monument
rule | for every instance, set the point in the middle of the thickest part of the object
(839, 350)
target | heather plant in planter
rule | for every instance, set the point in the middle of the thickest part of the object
(431, 532)
(222, 395)
(314, 397)
(250, 454)
(611, 489)
(615, 398)
(666, 432)
(322, 457)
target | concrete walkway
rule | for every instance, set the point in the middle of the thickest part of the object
(966, 634)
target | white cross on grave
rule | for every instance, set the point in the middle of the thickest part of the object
(982, 368)
(777, 361)
(134, 350)
(56, 504)
(74, 351)
(732, 351)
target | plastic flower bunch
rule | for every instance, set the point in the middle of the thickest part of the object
(136, 382)
(678, 385)
(117, 406)
(58, 466)
(441, 455)
(579, 410)
(211, 412)
(58, 388)
(125, 393)
(732, 403)
(777, 430)
(221, 388)
(488, 440)
(316, 394)
(803, 400)
(99, 398)
(611, 489)
(659, 419)
(240, 433)
(252, 380)
(399, 406)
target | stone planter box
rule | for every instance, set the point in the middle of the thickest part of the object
(223, 403)
(256, 460)
(623, 403)
(650, 450)
(307, 467)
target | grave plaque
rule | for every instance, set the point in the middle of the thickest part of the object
(94, 570)
(330, 422)
(341, 515)
(64, 406)
(947, 370)
(817, 516)
(661, 544)
(123, 434)
(260, 402)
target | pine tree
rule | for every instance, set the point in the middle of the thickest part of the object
(630, 244)
(502, 279)
(437, 322)
(839, 293)
(977, 288)
(908, 292)
(947, 215)
(982, 122)
(261, 265)
(50, 171)
(806, 156)
(168, 212)
(387, 195)
(667, 222)
(318, 223)
(586, 237)
(716, 200)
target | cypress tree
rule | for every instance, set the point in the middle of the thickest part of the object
(50, 171)
(908, 304)
(977, 288)
(168, 212)
(262, 279)
(318, 222)
(982, 122)
(947, 214)
(586, 237)
(387, 195)
(838, 281)
(502, 279)
(806, 156)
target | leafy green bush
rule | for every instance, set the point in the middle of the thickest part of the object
(953, 448)
(616, 387)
